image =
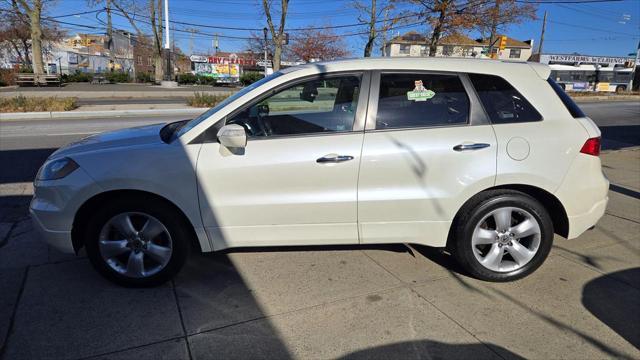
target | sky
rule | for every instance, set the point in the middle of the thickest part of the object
(601, 28)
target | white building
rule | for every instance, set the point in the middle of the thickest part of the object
(455, 45)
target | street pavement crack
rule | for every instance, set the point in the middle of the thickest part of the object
(184, 328)
(13, 314)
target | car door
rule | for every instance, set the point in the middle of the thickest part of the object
(295, 182)
(427, 148)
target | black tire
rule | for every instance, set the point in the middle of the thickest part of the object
(163, 212)
(620, 89)
(475, 210)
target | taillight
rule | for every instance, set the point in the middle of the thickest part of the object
(591, 147)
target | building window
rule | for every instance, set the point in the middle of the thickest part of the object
(447, 50)
(139, 60)
(424, 51)
(515, 53)
(149, 60)
(405, 49)
(467, 51)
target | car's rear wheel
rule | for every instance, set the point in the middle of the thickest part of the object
(135, 242)
(502, 235)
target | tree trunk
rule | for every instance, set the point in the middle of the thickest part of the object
(494, 26)
(159, 68)
(36, 38)
(437, 29)
(156, 26)
(372, 31)
(277, 56)
(26, 47)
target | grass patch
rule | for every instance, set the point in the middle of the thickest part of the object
(205, 100)
(31, 104)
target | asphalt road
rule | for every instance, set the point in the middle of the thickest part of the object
(619, 122)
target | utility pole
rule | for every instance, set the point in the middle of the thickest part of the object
(265, 51)
(167, 42)
(544, 25)
(192, 31)
(216, 44)
(112, 57)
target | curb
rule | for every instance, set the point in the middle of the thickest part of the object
(604, 98)
(114, 94)
(47, 115)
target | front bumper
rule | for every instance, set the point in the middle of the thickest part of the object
(60, 240)
(55, 204)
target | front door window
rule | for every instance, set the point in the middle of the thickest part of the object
(319, 105)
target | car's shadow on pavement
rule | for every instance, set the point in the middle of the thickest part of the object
(618, 310)
(428, 349)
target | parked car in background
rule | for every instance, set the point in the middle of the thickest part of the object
(485, 158)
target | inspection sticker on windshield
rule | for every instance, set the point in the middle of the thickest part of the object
(420, 93)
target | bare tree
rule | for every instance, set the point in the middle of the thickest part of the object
(318, 44)
(495, 14)
(446, 16)
(33, 10)
(370, 12)
(276, 34)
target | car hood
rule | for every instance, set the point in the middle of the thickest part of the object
(136, 136)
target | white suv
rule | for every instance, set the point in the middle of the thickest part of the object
(486, 158)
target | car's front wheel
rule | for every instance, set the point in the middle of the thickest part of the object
(502, 235)
(136, 242)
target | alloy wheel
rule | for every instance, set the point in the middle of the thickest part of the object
(506, 239)
(135, 244)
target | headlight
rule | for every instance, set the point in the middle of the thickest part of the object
(56, 169)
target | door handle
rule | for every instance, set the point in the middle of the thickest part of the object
(333, 158)
(467, 147)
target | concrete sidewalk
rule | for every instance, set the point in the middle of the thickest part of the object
(330, 302)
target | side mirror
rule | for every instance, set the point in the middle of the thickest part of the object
(233, 136)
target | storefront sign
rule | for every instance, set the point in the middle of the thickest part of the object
(231, 60)
(570, 59)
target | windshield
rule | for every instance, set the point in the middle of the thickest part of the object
(193, 123)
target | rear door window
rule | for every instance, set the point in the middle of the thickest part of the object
(575, 111)
(502, 102)
(412, 100)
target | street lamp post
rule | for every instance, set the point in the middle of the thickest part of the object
(167, 43)
(265, 51)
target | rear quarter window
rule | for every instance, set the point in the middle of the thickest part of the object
(575, 111)
(502, 102)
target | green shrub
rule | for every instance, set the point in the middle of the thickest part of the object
(206, 80)
(7, 77)
(250, 77)
(144, 77)
(77, 77)
(205, 100)
(21, 103)
(191, 79)
(185, 79)
(25, 69)
(117, 77)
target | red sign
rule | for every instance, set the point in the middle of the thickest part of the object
(231, 60)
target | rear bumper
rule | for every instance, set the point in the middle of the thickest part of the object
(60, 240)
(581, 223)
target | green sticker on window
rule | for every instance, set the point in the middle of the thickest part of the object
(419, 92)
